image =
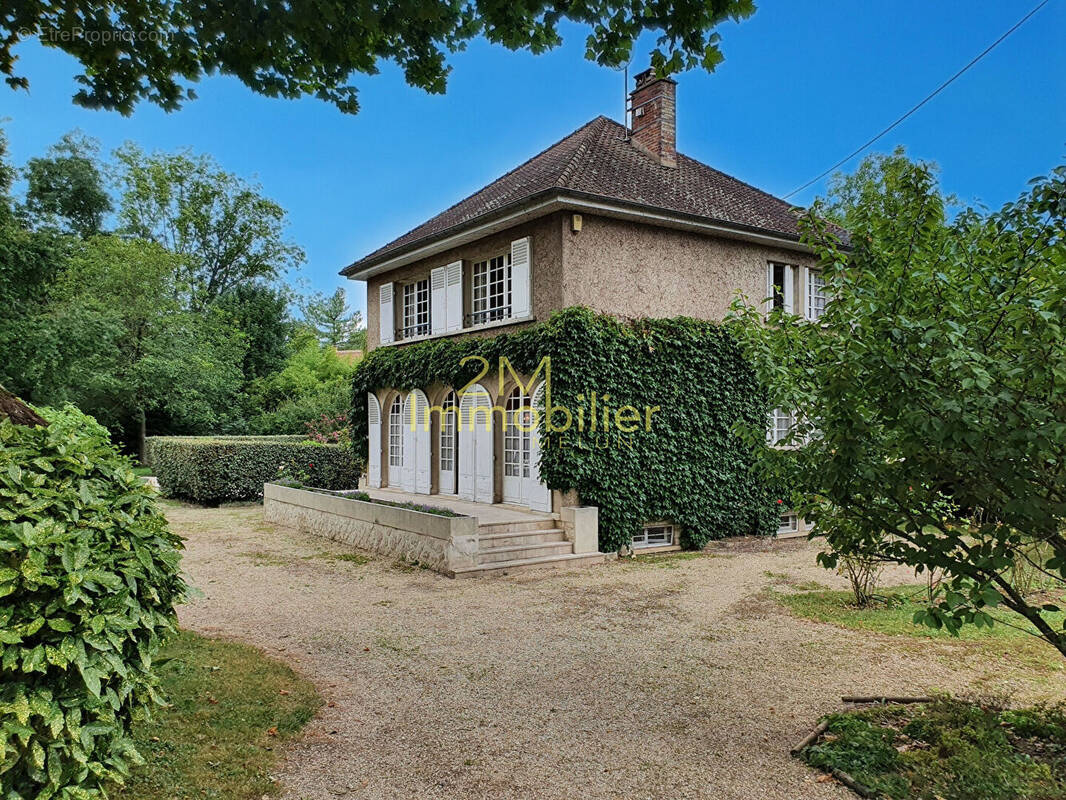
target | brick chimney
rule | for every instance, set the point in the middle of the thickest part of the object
(653, 112)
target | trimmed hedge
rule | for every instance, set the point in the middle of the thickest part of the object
(216, 469)
(690, 468)
(89, 575)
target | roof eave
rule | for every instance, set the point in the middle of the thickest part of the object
(555, 199)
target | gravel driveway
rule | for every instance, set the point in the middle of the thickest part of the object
(674, 678)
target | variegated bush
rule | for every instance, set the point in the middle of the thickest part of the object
(89, 576)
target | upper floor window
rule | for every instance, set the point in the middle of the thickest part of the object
(815, 295)
(415, 309)
(491, 284)
(779, 284)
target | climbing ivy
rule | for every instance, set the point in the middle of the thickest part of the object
(688, 468)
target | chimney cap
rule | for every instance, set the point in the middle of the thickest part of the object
(648, 77)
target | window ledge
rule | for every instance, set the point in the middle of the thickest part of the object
(481, 326)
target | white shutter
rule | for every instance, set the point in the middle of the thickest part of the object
(808, 312)
(386, 319)
(373, 409)
(520, 278)
(789, 281)
(438, 300)
(467, 467)
(484, 492)
(537, 493)
(454, 296)
(422, 444)
(410, 452)
(769, 288)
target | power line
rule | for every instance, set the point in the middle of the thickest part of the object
(927, 98)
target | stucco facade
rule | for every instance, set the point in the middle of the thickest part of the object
(629, 269)
(614, 266)
(546, 243)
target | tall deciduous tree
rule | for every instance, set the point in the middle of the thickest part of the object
(261, 314)
(150, 354)
(934, 385)
(66, 187)
(154, 50)
(223, 229)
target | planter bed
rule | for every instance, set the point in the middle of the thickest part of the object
(433, 540)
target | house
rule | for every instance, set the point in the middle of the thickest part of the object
(611, 217)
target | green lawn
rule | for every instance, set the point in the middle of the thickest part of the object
(949, 750)
(231, 709)
(895, 616)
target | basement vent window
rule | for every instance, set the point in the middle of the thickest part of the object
(789, 524)
(654, 536)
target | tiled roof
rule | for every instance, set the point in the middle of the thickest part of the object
(596, 161)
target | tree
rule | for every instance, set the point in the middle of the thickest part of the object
(261, 314)
(333, 321)
(223, 229)
(932, 388)
(153, 50)
(150, 354)
(66, 188)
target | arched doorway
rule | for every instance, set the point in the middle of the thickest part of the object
(373, 461)
(538, 495)
(416, 444)
(395, 441)
(448, 447)
(516, 444)
(475, 445)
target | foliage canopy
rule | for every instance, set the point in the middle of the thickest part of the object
(933, 389)
(154, 50)
(89, 575)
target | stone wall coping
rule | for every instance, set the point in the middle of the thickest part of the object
(436, 526)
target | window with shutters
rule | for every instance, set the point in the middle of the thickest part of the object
(815, 295)
(415, 309)
(396, 435)
(776, 274)
(491, 290)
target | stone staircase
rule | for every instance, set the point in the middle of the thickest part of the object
(506, 547)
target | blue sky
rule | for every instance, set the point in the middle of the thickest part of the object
(802, 85)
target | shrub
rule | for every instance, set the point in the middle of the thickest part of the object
(689, 468)
(211, 470)
(89, 575)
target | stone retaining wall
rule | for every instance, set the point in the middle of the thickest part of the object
(438, 542)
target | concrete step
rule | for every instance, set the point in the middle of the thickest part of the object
(524, 564)
(491, 528)
(521, 537)
(516, 552)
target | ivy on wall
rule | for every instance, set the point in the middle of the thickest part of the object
(689, 468)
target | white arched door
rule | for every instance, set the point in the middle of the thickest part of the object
(475, 445)
(516, 443)
(448, 450)
(396, 442)
(416, 443)
(373, 461)
(538, 495)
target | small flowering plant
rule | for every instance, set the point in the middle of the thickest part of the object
(330, 429)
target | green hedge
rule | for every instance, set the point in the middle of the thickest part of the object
(89, 575)
(690, 468)
(216, 469)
